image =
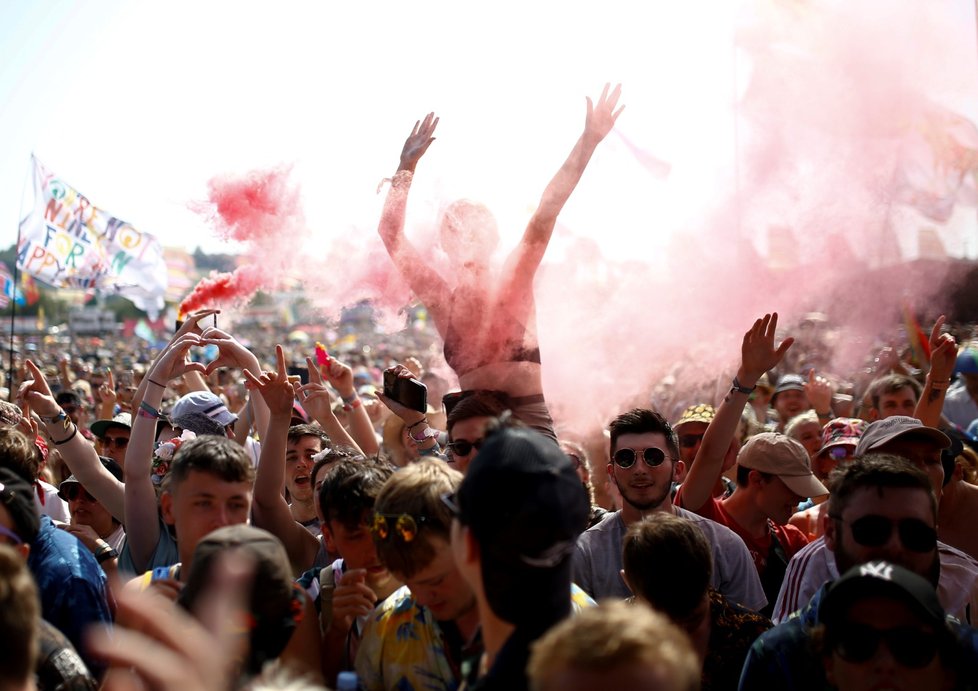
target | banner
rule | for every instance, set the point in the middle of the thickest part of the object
(68, 242)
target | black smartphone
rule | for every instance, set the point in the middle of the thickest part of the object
(410, 393)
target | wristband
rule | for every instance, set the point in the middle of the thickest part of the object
(151, 381)
(422, 421)
(146, 410)
(740, 388)
(70, 437)
(355, 403)
(103, 555)
(426, 434)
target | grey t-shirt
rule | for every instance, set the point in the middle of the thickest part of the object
(598, 561)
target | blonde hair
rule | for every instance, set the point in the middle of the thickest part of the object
(416, 491)
(613, 635)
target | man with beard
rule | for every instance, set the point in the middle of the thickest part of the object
(644, 464)
(881, 508)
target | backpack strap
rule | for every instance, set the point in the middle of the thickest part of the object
(327, 584)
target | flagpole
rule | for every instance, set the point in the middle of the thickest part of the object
(13, 298)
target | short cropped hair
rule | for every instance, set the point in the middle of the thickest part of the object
(20, 619)
(643, 421)
(891, 383)
(350, 490)
(297, 432)
(878, 471)
(416, 491)
(478, 404)
(336, 453)
(668, 563)
(611, 636)
(219, 456)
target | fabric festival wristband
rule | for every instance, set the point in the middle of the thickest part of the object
(70, 437)
(146, 410)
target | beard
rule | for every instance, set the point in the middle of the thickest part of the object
(648, 503)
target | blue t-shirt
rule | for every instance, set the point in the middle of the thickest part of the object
(71, 584)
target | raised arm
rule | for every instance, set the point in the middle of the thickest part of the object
(142, 525)
(943, 354)
(601, 117)
(426, 283)
(758, 355)
(340, 376)
(78, 453)
(234, 354)
(271, 511)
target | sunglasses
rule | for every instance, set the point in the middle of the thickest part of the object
(688, 441)
(653, 457)
(69, 409)
(73, 491)
(875, 531)
(463, 447)
(115, 442)
(403, 524)
(910, 646)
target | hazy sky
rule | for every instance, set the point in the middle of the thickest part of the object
(138, 104)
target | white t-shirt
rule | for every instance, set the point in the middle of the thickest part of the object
(49, 503)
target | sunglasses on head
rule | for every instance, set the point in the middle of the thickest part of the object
(653, 457)
(875, 531)
(688, 441)
(910, 646)
(116, 442)
(404, 524)
(463, 447)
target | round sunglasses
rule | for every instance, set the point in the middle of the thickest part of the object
(653, 457)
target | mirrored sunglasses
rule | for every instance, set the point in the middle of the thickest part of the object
(404, 524)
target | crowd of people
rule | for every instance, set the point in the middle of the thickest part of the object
(234, 510)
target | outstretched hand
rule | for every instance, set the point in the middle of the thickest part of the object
(274, 387)
(316, 398)
(601, 116)
(418, 142)
(943, 353)
(758, 354)
(35, 394)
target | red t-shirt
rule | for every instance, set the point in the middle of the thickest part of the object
(791, 538)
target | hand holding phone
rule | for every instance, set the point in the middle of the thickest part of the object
(407, 391)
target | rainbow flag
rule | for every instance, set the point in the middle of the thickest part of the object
(919, 341)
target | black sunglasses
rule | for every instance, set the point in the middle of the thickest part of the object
(912, 647)
(73, 491)
(117, 442)
(875, 531)
(653, 457)
(463, 447)
(688, 441)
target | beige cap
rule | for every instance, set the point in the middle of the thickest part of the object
(771, 452)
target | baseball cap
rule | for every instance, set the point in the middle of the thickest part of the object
(967, 361)
(203, 402)
(17, 496)
(842, 431)
(274, 604)
(526, 507)
(789, 382)
(109, 465)
(775, 453)
(701, 412)
(880, 579)
(884, 431)
(100, 427)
